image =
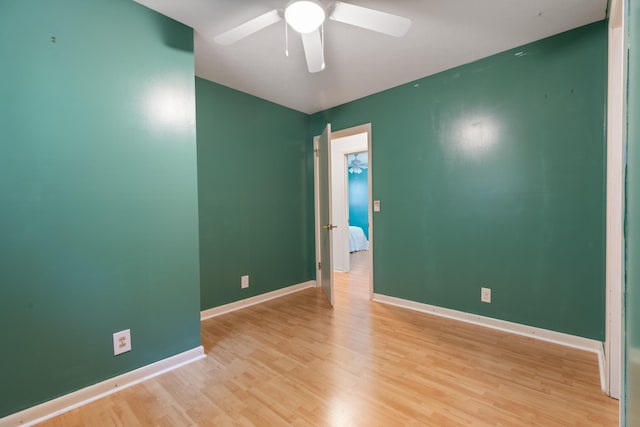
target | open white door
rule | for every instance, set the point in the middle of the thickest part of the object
(325, 270)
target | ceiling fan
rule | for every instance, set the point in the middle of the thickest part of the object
(307, 18)
(355, 165)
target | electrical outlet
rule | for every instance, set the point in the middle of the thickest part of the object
(121, 342)
(244, 282)
(485, 295)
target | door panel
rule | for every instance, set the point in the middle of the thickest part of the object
(324, 190)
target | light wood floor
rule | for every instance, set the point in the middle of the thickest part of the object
(295, 361)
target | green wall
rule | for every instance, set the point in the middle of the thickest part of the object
(493, 174)
(253, 177)
(101, 195)
(632, 366)
(98, 194)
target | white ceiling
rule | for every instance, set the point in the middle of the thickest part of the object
(443, 34)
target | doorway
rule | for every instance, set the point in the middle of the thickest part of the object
(351, 265)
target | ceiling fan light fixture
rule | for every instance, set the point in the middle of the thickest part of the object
(304, 16)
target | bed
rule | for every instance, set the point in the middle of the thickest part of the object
(357, 239)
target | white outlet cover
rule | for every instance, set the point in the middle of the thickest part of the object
(244, 282)
(121, 342)
(485, 295)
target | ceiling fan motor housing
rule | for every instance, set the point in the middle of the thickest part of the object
(304, 16)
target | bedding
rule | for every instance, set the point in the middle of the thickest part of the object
(357, 239)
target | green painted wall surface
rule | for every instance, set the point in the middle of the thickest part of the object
(98, 194)
(632, 366)
(252, 181)
(507, 160)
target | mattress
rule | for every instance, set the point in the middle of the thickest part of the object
(357, 239)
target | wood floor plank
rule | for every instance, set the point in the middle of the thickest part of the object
(296, 361)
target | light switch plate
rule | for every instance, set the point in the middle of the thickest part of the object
(121, 342)
(376, 205)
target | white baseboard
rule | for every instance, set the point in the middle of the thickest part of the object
(62, 404)
(248, 302)
(568, 340)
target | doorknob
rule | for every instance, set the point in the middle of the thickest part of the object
(329, 226)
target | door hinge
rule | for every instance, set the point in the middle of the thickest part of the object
(317, 151)
(320, 265)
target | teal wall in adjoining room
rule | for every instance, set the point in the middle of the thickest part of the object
(98, 194)
(359, 200)
(631, 400)
(253, 178)
(493, 174)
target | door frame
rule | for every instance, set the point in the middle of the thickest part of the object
(340, 150)
(364, 128)
(612, 381)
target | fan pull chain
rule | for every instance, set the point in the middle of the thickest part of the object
(286, 39)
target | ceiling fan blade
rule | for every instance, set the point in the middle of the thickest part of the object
(243, 30)
(371, 19)
(313, 50)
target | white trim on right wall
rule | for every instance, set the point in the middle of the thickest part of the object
(567, 340)
(613, 346)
